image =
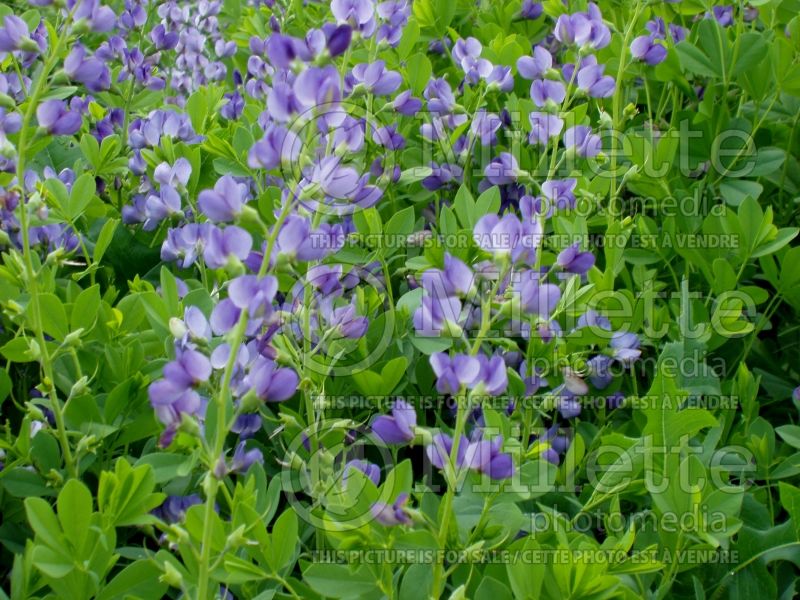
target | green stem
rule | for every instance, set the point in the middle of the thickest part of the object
(451, 468)
(221, 401)
(31, 275)
(617, 110)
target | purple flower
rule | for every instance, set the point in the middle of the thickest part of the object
(678, 33)
(298, 241)
(160, 206)
(318, 88)
(723, 15)
(591, 80)
(335, 179)
(245, 292)
(99, 18)
(174, 508)
(582, 141)
(438, 314)
(196, 325)
(91, 72)
(454, 372)
(531, 9)
(500, 237)
(9, 122)
(247, 425)
(371, 470)
(538, 299)
(394, 514)
(182, 244)
(438, 451)
(502, 169)
(376, 78)
(485, 456)
(456, 278)
(234, 107)
(599, 370)
(583, 29)
(339, 40)
(388, 137)
(346, 321)
(57, 119)
(648, 49)
(493, 377)
(568, 406)
(225, 202)
(544, 127)
(222, 245)
(469, 47)
(500, 78)
(484, 126)
(271, 383)
(14, 34)
(442, 175)
(278, 146)
(176, 175)
(189, 368)
(572, 260)
(355, 12)
(163, 39)
(406, 104)
(399, 427)
(439, 96)
(593, 319)
(535, 67)
(467, 53)
(244, 459)
(547, 90)
(625, 346)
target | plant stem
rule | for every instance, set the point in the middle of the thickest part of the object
(31, 275)
(221, 401)
(451, 468)
(617, 109)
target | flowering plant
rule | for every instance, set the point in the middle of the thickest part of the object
(362, 299)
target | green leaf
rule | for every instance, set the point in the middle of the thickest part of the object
(392, 372)
(43, 522)
(75, 512)
(401, 224)
(694, 60)
(140, 579)
(339, 581)
(54, 316)
(790, 500)
(668, 420)
(104, 239)
(464, 207)
(752, 51)
(526, 578)
(284, 538)
(488, 203)
(492, 589)
(790, 434)
(85, 309)
(52, 562)
(17, 350)
(418, 73)
(734, 191)
(82, 193)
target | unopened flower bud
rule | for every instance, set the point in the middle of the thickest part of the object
(177, 328)
(171, 575)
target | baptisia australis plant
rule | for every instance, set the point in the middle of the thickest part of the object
(353, 262)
